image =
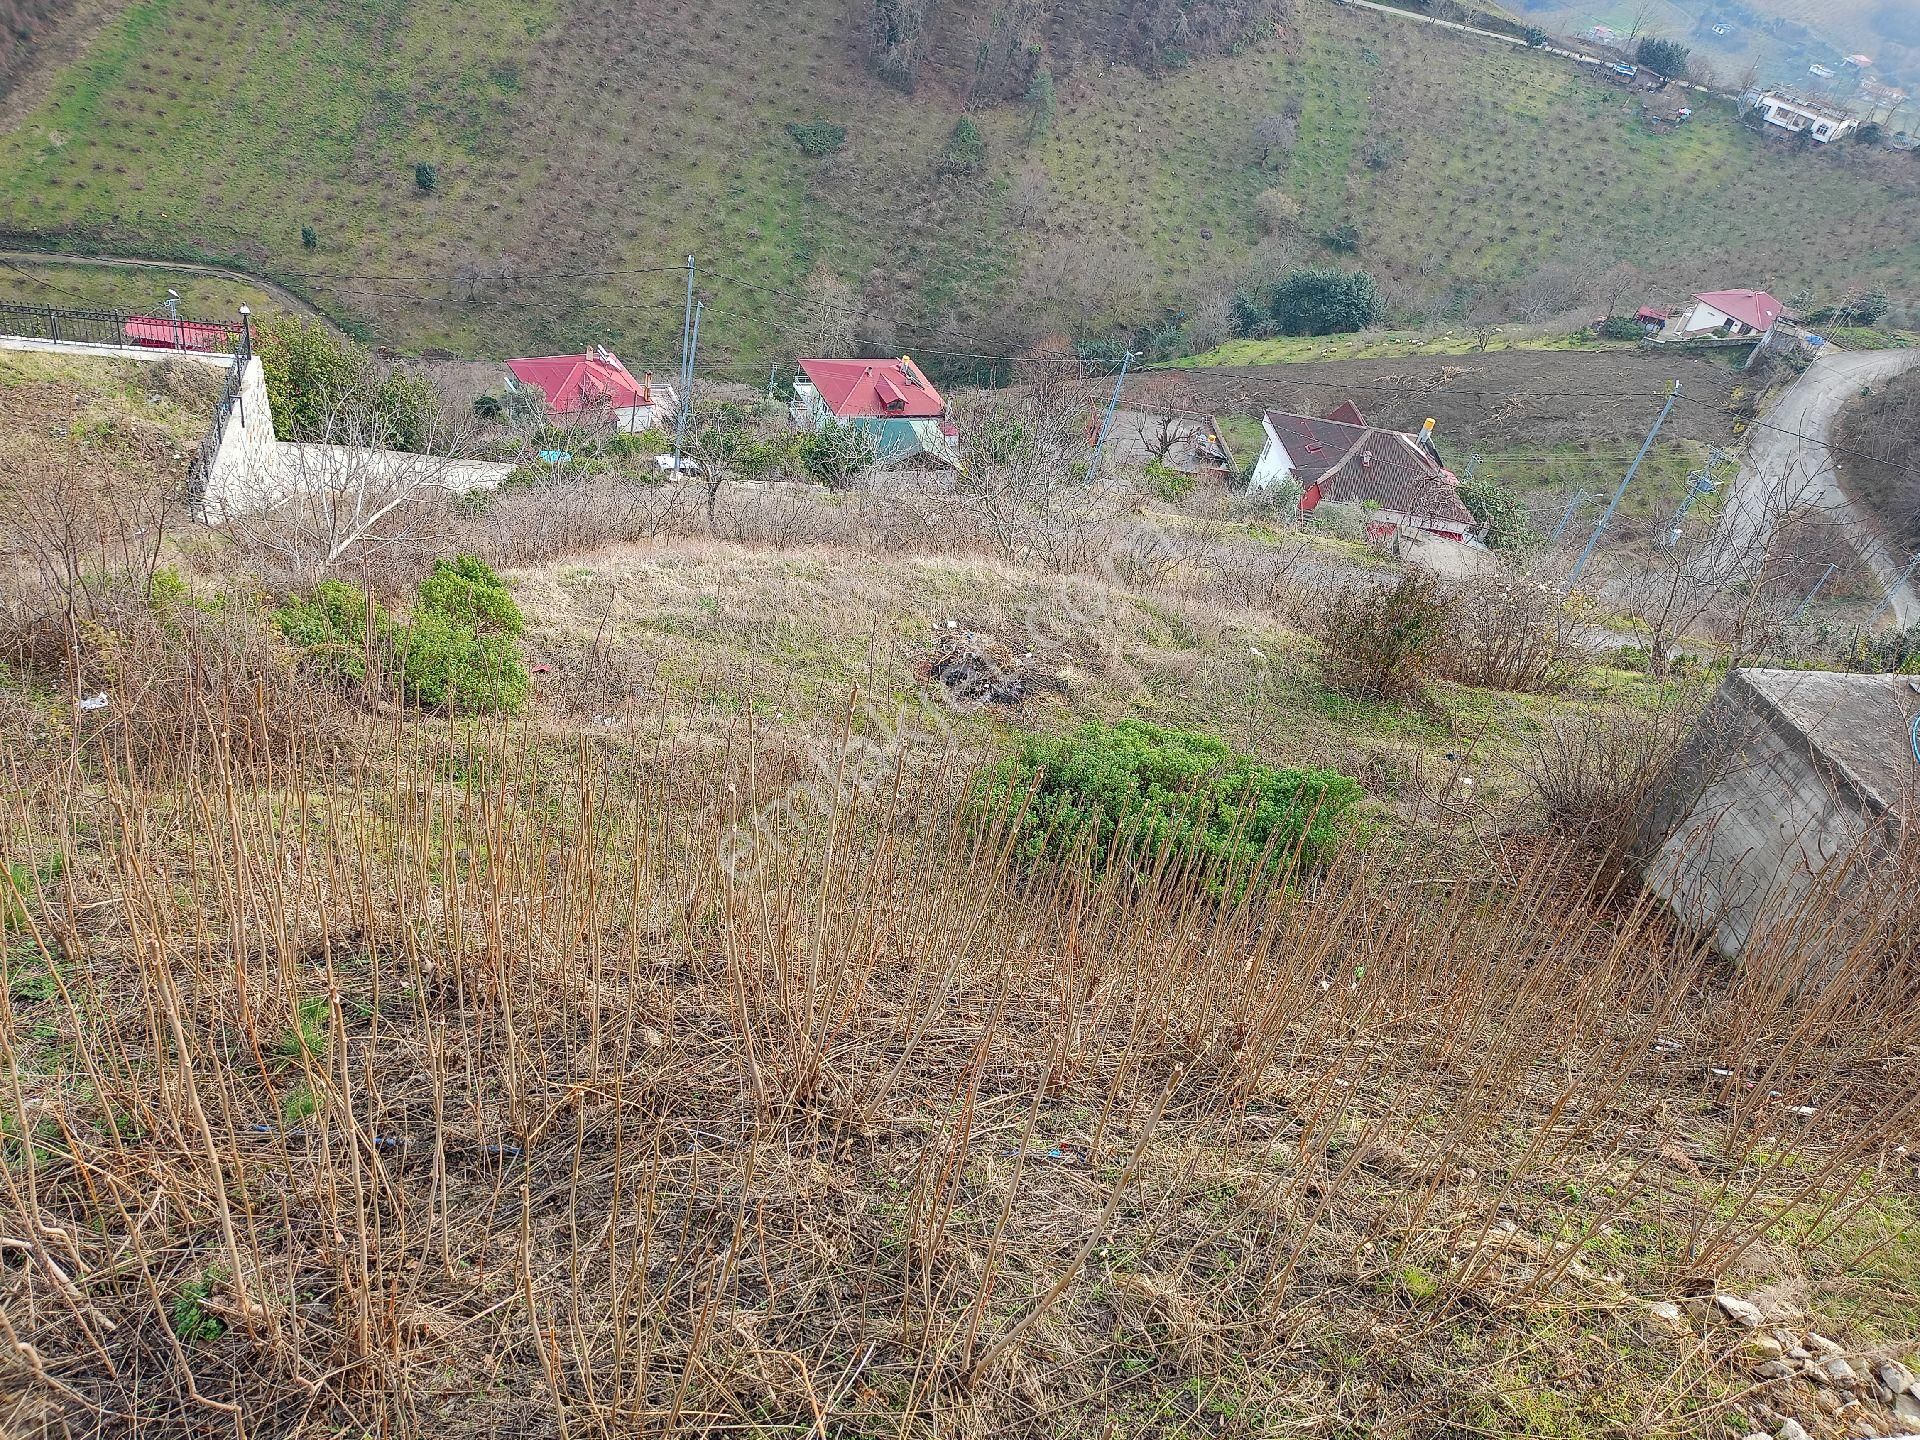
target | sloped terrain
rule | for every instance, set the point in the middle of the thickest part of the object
(582, 150)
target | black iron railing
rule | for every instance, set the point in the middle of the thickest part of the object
(209, 450)
(120, 328)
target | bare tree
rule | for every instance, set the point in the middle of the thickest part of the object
(347, 494)
(77, 529)
(827, 315)
(1161, 435)
(1275, 132)
(1712, 573)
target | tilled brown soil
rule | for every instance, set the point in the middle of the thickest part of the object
(1531, 398)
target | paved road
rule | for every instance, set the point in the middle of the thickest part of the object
(1789, 456)
(1564, 54)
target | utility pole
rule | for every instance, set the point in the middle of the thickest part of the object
(1473, 466)
(686, 329)
(1818, 586)
(1580, 497)
(1893, 589)
(686, 390)
(173, 314)
(1632, 470)
(1699, 483)
(1093, 467)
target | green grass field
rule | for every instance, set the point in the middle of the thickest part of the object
(580, 158)
(136, 291)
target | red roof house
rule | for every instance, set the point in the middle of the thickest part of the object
(892, 400)
(1736, 314)
(573, 383)
(1342, 459)
(874, 389)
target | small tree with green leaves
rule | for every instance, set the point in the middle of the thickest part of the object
(309, 238)
(835, 454)
(426, 177)
(966, 151)
(1040, 104)
(1502, 518)
(1663, 57)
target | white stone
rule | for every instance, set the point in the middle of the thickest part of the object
(1762, 1346)
(1791, 1429)
(1839, 1371)
(1740, 1311)
(1906, 1409)
(1896, 1377)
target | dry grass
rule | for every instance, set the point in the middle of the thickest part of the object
(699, 1080)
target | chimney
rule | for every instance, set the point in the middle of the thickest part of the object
(1426, 433)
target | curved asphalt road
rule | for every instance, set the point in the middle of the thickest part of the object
(1789, 454)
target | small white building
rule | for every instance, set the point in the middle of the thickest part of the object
(1823, 122)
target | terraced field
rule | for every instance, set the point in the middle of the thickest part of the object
(581, 151)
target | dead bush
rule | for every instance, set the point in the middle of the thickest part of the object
(1594, 774)
(78, 533)
(1385, 642)
(1510, 632)
(532, 524)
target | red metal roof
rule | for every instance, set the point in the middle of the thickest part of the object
(574, 382)
(875, 389)
(163, 333)
(1753, 308)
(1353, 464)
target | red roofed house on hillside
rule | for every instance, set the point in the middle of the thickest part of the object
(1726, 315)
(572, 384)
(891, 400)
(1342, 459)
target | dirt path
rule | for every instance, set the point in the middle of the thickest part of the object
(1791, 453)
(128, 262)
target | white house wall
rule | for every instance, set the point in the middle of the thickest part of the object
(1275, 464)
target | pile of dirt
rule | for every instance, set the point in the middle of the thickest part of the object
(975, 669)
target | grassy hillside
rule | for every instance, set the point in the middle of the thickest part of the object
(583, 151)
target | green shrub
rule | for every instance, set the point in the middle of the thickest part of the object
(1500, 513)
(1621, 327)
(309, 238)
(307, 368)
(455, 653)
(451, 667)
(466, 591)
(1166, 482)
(966, 152)
(1309, 302)
(426, 177)
(330, 628)
(818, 137)
(1134, 790)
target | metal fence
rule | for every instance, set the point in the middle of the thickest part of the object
(209, 448)
(118, 328)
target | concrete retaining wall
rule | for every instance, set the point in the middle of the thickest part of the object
(1795, 782)
(247, 447)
